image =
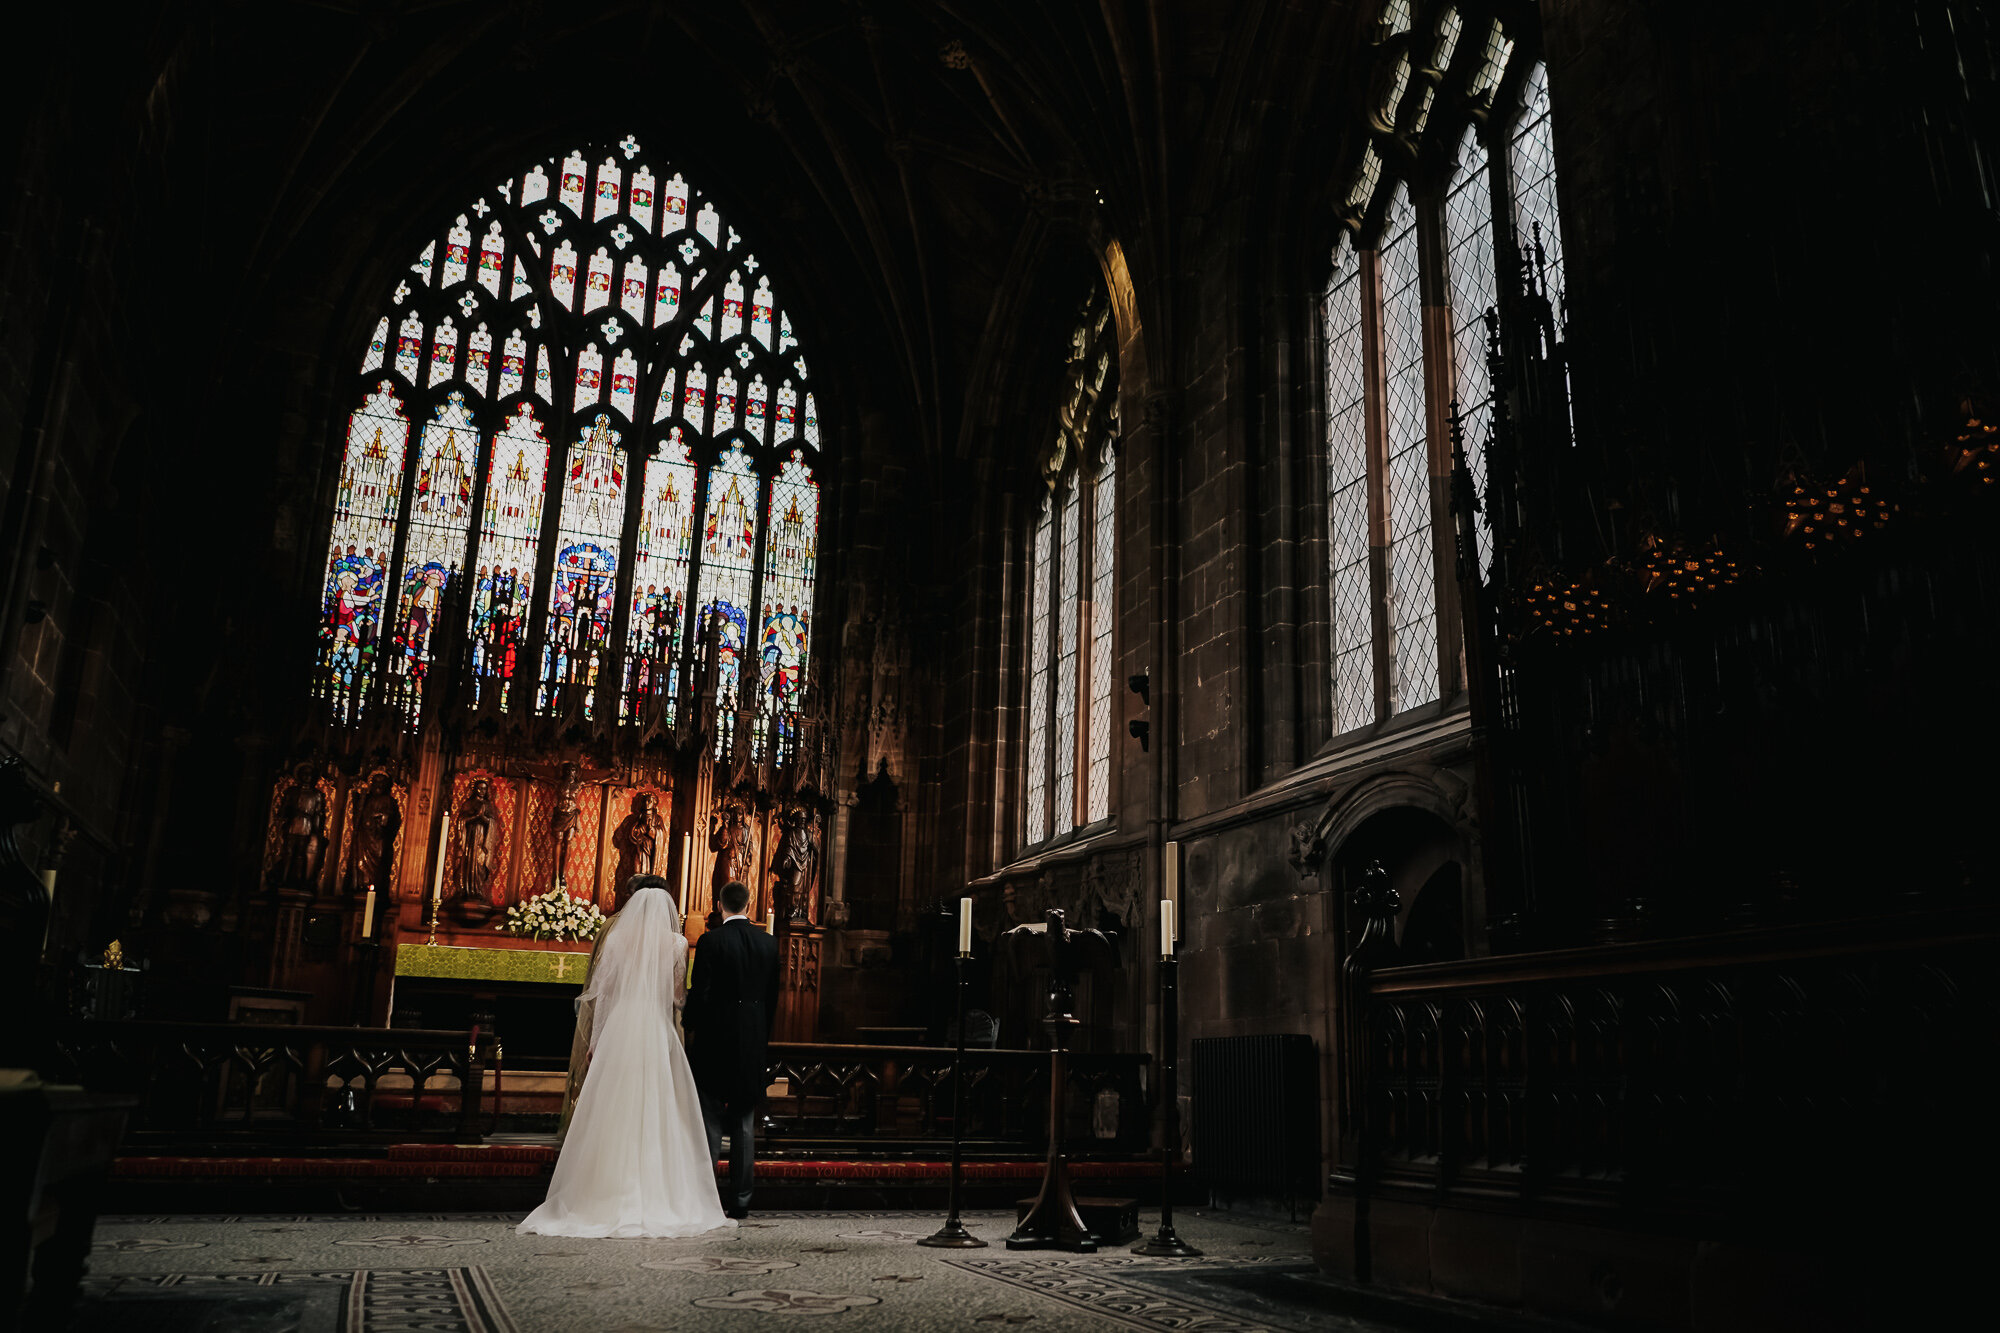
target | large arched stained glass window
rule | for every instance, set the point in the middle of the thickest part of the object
(1071, 557)
(1453, 194)
(583, 412)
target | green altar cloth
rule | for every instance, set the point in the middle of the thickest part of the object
(466, 964)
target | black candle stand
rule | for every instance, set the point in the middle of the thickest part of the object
(1165, 1244)
(953, 1235)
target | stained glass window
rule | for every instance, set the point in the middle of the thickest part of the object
(1385, 497)
(440, 515)
(584, 580)
(1071, 594)
(510, 528)
(661, 560)
(728, 553)
(592, 322)
(365, 510)
(786, 619)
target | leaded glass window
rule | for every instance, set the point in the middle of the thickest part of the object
(1347, 496)
(1469, 262)
(1536, 215)
(1414, 272)
(1071, 594)
(583, 411)
(1412, 572)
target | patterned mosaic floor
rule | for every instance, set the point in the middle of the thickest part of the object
(469, 1273)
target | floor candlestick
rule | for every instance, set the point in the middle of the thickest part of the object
(953, 1235)
(1165, 1243)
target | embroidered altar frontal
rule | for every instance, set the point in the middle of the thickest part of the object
(460, 963)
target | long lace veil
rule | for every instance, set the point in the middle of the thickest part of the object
(641, 965)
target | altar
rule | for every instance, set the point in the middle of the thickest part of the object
(561, 964)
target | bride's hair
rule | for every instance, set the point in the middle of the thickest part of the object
(638, 882)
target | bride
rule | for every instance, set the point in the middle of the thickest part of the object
(635, 1162)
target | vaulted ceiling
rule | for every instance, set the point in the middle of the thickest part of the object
(903, 160)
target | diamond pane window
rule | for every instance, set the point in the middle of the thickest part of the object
(1038, 675)
(630, 383)
(1534, 169)
(1468, 231)
(1104, 550)
(1066, 647)
(1397, 368)
(1071, 576)
(1347, 497)
(1412, 593)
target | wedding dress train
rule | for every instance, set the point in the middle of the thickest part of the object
(635, 1162)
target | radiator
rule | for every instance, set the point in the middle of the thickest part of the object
(1256, 1115)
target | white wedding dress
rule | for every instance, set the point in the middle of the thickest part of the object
(635, 1162)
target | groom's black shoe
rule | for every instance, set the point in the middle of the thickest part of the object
(737, 1213)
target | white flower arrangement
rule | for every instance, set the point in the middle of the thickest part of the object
(554, 916)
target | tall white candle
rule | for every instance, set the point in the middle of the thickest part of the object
(368, 916)
(1166, 927)
(444, 849)
(965, 925)
(1173, 886)
(687, 869)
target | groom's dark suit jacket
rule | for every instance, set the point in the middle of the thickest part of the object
(731, 1006)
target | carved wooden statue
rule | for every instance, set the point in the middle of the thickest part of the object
(478, 829)
(640, 839)
(304, 820)
(567, 815)
(377, 822)
(734, 842)
(793, 866)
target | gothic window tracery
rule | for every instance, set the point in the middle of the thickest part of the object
(582, 414)
(1070, 565)
(1451, 211)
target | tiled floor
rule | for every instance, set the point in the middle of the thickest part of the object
(471, 1272)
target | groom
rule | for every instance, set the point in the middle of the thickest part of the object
(731, 1004)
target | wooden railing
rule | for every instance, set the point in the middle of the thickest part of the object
(902, 1095)
(1682, 1075)
(247, 1082)
(238, 1081)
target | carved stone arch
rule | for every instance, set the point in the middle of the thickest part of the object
(1434, 791)
(1438, 798)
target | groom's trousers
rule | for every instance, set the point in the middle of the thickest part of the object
(719, 1118)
